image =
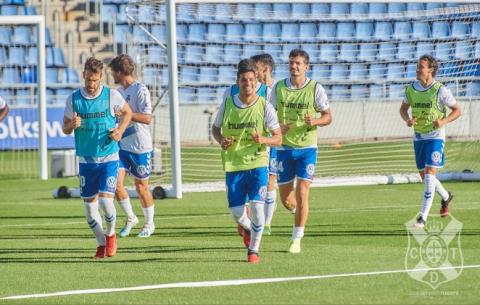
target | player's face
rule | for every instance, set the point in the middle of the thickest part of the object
(297, 66)
(92, 81)
(423, 70)
(247, 83)
(261, 71)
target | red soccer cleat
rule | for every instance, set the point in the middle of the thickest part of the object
(245, 234)
(100, 252)
(445, 203)
(111, 245)
(253, 257)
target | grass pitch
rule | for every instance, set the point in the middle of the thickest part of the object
(46, 246)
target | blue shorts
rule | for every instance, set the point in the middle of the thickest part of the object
(98, 178)
(272, 168)
(298, 163)
(138, 165)
(429, 153)
(252, 183)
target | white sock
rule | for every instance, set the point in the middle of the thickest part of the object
(127, 207)
(270, 206)
(240, 216)
(109, 213)
(258, 221)
(440, 189)
(298, 232)
(148, 213)
(94, 221)
(428, 194)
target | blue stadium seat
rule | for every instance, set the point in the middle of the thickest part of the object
(146, 14)
(402, 30)
(22, 35)
(108, 13)
(6, 34)
(300, 11)
(443, 51)
(383, 30)
(150, 76)
(206, 11)
(377, 10)
(32, 56)
(424, 48)
(62, 94)
(396, 9)
(49, 58)
(415, 7)
(345, 30)
(411, 70)
(320, 9)
(327, 31)
(328, 52)
(233, 53)
(188, 75)
(377, 71)
(51, 97)
(16, 56)
(286, 48)
(440, 30)
(364, 31)
(227, 74)
(253, 32)
(121, 33)
(290, 32)
(52, 76)
(58, 58)
(339, 92)
(29, 75)
(209, 74)
(460, 29)
(421, 30)
(245, 11)
(159, 31)
(406, 51)
(395, 71)
(307, 32)
(320, 72)
(476, 29)
(262, 10)
(156, 55)
(224, 12)
(182, 32)
(73, 77)
(448, 69)
(194, 54)
(386, 51)
(434, 5)
(377, 91)
(359, 91)
(452, 4)
(359, 9)
(348, 52)
(3, 57)
(164, 78)
(219, 93)
(339, 72)
(122, 14)
(206, 95)
(281, 11)
(271, 32)
(472, 89)
(358, 72)
(463, 50)
(281, 72)
(234, 32)
(312, 50)
(251, 49)
(214, 53)
(477, 49)
(10, 76)
(367, 52)
(274, 50)
(215, 32)
(196, 32)
(186, 12)
(338, 9)
(9, 10)
(187, 95)
(396, 91)
(25, 97)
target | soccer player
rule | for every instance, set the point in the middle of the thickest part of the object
(90, 112)
(3, 109)
(135, 146)
(298, 101)
(242, 127)
(265, 66)
(429, 100)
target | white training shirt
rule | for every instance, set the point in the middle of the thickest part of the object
(137, 138)
(116, 103)
(445, 98)
(271, 120)
(3, 104)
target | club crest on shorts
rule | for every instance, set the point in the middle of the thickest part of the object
(263, 192)
(436, 157)
(111, 182)
(433, 250)
(142, 170)
(311, 169)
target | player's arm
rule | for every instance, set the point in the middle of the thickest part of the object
(126, 116)
(217, 131)
(271, 122)
(144, 117)
(4, 112)
(324, 119)
(405, 116)
(71, 120)
(448, 100)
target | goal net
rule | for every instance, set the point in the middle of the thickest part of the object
(364, 54)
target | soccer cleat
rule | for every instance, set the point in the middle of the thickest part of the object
(295, 246)
(445, 203)
(111, 245)
(253, 257)
(267, 230)
(129, 224)
(100, 252)
(420, 223)
(146, 231)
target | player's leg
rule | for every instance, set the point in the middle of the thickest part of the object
(286, 178)
(257, 192)
(270, 201)
(122, 195)
(236, 183)
(141, 171)
(107, 187)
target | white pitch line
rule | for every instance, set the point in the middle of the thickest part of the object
(227, 282)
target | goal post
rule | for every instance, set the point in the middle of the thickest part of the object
(38, 22)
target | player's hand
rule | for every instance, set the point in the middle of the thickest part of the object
(257, 138)
(284, 128)
(309, 120)
(76, 121)
(115, 134)
(438, 123)
(226, 143)
(411, 122)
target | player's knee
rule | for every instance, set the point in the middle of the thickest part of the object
(142, 188)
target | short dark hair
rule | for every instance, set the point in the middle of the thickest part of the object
(123, 63)
(301, 53)
(432, 62)
(265, 59)
(93, 65)
(246, 65)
